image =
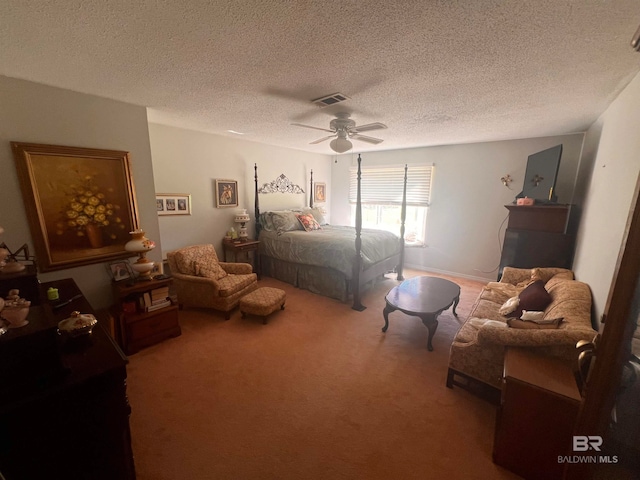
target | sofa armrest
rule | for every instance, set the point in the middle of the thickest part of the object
(236, 268)
(514, 337)
(515, 275)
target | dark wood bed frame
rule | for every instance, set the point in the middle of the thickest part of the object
(360, 275)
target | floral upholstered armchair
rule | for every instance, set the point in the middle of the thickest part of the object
(201, 280)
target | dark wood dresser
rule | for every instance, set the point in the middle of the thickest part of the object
(64, 411)
(537, 236)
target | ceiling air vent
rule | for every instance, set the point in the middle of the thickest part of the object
(330, 100)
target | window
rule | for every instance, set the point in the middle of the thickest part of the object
(381, 196)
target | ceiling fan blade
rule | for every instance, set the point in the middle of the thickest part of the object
(315, 128)
(368, 127)
(366, 138)
(322, 139)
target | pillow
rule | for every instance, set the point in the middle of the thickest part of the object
(317, 214)
(509, 306)
(529, 315)
(481, 322)
(308, 222)
(284, 222)
(210, 270)
(266, 221)
(524, 324)
(534, 297)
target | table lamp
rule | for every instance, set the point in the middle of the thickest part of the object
(141, 245)
(242, 218)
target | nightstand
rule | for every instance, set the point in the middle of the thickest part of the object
(241, 250)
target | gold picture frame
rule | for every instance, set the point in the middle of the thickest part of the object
(173, 204)
(226, 193)
(320, 192)
(80, 203)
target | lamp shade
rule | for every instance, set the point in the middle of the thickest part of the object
(242, 218)
(139, 243)
(340, 145)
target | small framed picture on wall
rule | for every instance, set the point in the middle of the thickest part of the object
(226, 193)
(320, 192)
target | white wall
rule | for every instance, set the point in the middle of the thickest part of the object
(187, 161)
(612, 152)
(465, 224)
(35, 113)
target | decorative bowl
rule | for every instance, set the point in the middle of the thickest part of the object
(77, 324)
(16, 316)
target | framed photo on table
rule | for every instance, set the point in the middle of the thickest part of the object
(173, 204)
(120, 270)
(80, 203)
(226, 193)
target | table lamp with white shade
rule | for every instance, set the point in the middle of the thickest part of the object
(242, 218)
(141, 245)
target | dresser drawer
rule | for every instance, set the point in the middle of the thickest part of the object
(153, 323)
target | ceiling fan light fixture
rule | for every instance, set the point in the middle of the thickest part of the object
(340, 145)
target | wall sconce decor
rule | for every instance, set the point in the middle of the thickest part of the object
(506, 180)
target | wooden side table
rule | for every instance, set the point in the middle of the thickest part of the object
(139, 328)
(241, 250)
(534, 424)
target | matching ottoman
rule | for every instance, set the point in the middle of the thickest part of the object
(262, 302)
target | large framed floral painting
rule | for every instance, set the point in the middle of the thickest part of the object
(80, 203)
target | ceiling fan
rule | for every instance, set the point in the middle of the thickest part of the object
(343, 128)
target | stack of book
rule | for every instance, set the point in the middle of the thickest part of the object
(156, 299)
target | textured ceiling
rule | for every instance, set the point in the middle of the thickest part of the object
(436, 72)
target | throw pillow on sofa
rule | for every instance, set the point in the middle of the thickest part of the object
(534, 297)
(525, 324)
(509, 306)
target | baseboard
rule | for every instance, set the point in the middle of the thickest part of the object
(446, 272)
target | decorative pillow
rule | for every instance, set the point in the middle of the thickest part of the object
(186, 257)
(209, 270)
(509, 306)
(317, 214)
(534, 297)
(529, 315)
(524, 324)
(482, 322)
(308, 222)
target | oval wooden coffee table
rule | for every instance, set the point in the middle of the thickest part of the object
(424, 297)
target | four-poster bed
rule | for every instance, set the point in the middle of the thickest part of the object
(334, 261)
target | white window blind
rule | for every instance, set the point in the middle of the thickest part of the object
(384, 185)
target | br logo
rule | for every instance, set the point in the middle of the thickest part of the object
(583, 443)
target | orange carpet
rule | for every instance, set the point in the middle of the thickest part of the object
(317, 393)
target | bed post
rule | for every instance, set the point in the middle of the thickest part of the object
(311, 191)
(403, 216)
(256, 207)
(357, 264)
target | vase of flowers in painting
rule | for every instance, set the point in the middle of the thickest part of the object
(94, 234)
(90, 214)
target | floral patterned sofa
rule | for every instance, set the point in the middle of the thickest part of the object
(477, 351)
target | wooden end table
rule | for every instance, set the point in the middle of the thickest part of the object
(424, 297)
(241, 249)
